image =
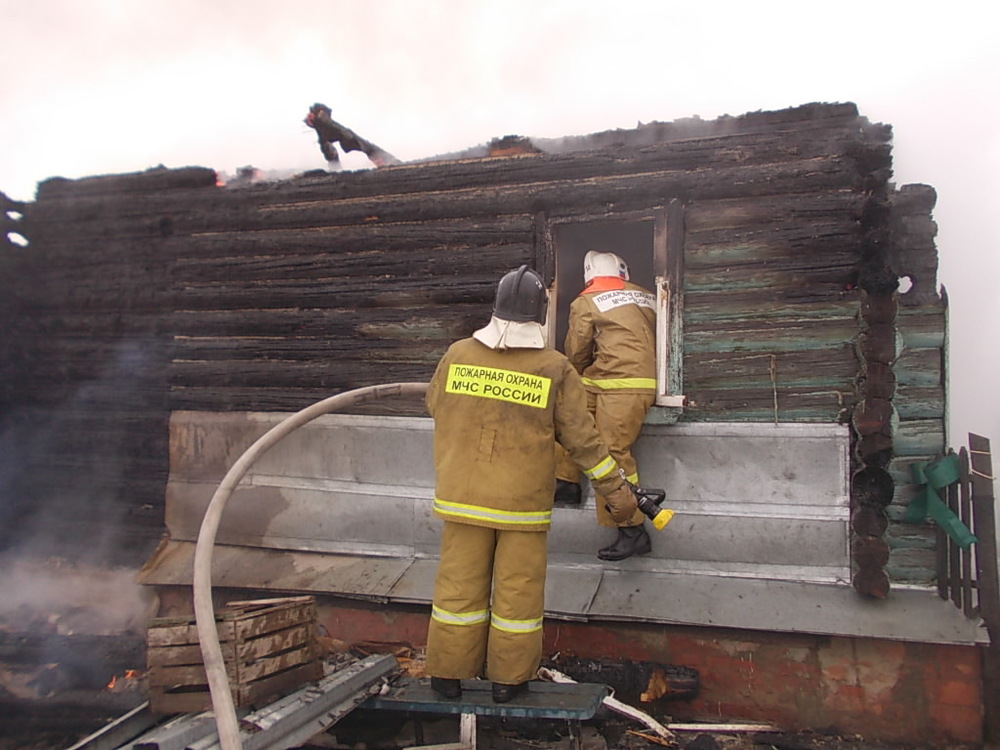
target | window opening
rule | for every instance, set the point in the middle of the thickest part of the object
(632, 241)
(641, 241)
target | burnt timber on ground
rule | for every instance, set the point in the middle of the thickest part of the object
(142, 294)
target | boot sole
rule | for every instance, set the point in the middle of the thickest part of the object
(645, 551)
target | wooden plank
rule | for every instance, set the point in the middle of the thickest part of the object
(273, 643)
(915, 403)
(400, 340)
(250, 604)
(984, 512)
(266, 666)
(234, 624)
(564, 180)
(911, 567)
(340, 374)
(687, 148)
(338, 250)
(821, 278)
(229, 398)
(753, 336)
(178, 656)
(723, 306)
(919, 437)
(964, 490)
(922, 327)
(76, 322)
(182, 631)
(347, 293)
(950, 497)
(740, 212)
(279, 617)
(305, 323)
(152, 180)
(794, 405)
(796, 246)
(359, 267)
(798, 369)
(197, 698)
(279, 683)
(250, 609)
(920, 368)
(186, 675)
(164, 701)
(988, 580)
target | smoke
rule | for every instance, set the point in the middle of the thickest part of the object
(83, 478)
(54, 596)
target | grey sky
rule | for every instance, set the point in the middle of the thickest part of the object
(103, 86)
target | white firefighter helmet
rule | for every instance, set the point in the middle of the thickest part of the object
(603, 264)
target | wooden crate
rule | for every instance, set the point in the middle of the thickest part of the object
(269, 647)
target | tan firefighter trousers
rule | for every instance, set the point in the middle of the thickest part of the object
(468, 627)
(619, 418)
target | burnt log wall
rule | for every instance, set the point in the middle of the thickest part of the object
(85, 403)
(161, 291)
(919, 413)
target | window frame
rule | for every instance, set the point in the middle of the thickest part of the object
(668, 273)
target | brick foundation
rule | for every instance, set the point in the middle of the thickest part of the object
(882, 690)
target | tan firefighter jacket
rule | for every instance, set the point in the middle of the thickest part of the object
(611, 339)
(496, 416)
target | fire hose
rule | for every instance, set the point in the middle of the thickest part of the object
(204, 612)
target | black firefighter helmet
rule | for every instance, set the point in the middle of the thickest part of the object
(521, 297)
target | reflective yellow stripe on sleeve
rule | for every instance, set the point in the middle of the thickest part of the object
(605, 467)
(459, 618)
(516, 626)
(505, 517)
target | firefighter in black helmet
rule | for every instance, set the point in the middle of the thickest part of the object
(500, 400)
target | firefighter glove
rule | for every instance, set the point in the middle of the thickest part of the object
(621, 504)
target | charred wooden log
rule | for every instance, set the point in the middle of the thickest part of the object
(874, 420)
(330, 133)
(642, 680)
(63, 720)
(73, 662)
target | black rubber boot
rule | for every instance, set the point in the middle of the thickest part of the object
(447, 687)
(569, 493)
(503, 693)
(632, 540)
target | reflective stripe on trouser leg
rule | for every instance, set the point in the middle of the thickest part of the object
(619, 418)
(459, 624)
(515, 644)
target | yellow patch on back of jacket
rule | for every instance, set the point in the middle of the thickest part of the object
(616, 298)
(502, 385)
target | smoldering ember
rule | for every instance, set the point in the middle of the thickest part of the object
(831, 566)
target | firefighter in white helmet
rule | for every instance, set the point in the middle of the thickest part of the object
(500, 400)
(611, 341)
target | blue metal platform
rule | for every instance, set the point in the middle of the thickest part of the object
(543, 700)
